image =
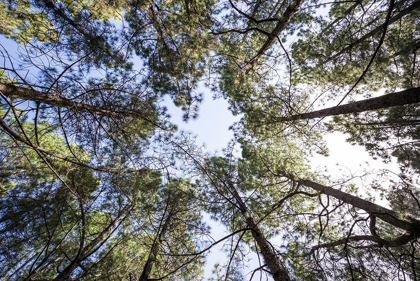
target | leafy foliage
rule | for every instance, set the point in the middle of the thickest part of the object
(96, 183)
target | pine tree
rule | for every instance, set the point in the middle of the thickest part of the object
(96, 184)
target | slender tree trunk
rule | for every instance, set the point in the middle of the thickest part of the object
(409, 96)
(23, 93)
(147, 269)
(277, 269)
(281, 24)
(404, 222)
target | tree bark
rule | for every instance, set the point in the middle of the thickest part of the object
(277, 269)
(397, 242)
(281, 24)
(407, 223)
(409, 96)
(16, 92)
(147, 269)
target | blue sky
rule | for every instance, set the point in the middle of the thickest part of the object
(212, 125)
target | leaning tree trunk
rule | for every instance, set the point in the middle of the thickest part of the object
(272, 37)
(409, 96)
(277, 269)
(151, 260)
(16, 92)
(407, 223)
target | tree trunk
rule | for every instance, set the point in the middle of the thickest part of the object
(22, 93)
(147, 269)
(409, 96)
(281, 24)
(404, 222)
(277, 269)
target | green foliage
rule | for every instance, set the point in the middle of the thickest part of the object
(335, 51)
(95, 183)
(176, 55)
(20, 22)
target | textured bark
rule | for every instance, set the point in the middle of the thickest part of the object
(409, 96)
(379, 242)
(22, 93)
(404, 222)
(281, 24)
(277, 269)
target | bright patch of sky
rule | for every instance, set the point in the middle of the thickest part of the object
(212, 125)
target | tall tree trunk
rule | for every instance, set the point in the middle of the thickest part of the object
(277, 269)
(281, 24)
(409, 96)
(23, 93)
(147, 269)
(407, 223)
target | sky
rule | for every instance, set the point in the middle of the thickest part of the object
(212, 125)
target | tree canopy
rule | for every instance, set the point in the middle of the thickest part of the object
(96, 183)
